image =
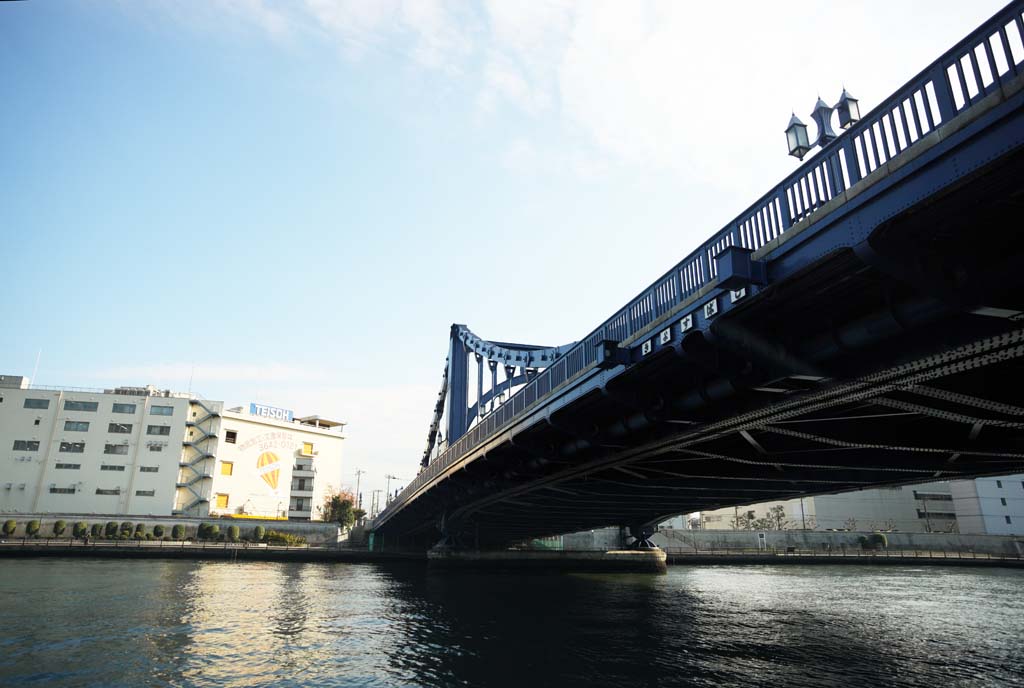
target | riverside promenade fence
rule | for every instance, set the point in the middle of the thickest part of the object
(682, 556)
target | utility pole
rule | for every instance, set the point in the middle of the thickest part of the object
(359, 496)
(375, 502)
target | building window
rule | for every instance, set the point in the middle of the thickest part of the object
(231, 436)
(1008, 520)
(149, 469)
(62, 490)
(36, 422)
(161, 410)
(76, 426)
(227, 468)
(119, 449)
(124, 408)
(72, 447)
(81, 405)
(935, 515)
(37, 403)
(222, 501)
(158, 429)
(999, 484)
(307, 449)
(1002, 500)
(120, 428)
(145, 493)
(101, 491)
(110, 467)
(67, 466)
(26, 445)
(300, 505)
(156, 447)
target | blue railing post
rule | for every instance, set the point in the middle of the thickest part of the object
(944, 93)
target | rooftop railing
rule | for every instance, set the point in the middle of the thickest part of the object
(974, 68)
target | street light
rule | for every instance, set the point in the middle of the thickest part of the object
(848, 109)
(796, 137)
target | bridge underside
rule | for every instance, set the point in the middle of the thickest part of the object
(876, 365)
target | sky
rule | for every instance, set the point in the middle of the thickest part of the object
(291, 202)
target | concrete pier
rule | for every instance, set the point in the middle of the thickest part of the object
(632, 561)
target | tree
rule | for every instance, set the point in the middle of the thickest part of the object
(9, 526)
(258, 533)
(339, 507)
(233, 533)
(80, 529)
(96, 530)
(111, 529)
(59, 527)
(32, 528)
(178, 532)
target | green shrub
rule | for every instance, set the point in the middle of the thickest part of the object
(111, 530)
(96, 530)
(79, 530)
(878, 540)
(213, 531)
(158, 531)
(233, 533)
(178, 532)
(32, 528)
(149, 536)
(126, 527)
(258, 533)
(275, 537)
(9, 526)
(140, 530)
(59, 527)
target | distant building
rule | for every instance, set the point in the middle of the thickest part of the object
(981, 506)
(140, 450)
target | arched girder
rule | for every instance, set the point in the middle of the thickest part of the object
(512, 357)
(518, 355)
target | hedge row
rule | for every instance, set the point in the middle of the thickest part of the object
(126, 530)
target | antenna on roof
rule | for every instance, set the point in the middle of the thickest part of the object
(36, 369)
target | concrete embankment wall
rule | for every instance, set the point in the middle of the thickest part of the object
(808, 541)
(315, 532)
(816, 541)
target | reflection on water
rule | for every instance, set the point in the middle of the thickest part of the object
(133, 623)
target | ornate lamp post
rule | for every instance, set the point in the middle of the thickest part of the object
(848, 109)
(822, 116)
(796, 131)
(796, 137)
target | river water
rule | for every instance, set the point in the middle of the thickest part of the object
(79, 622)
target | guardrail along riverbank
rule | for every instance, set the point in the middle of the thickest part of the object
(566, 560)
(680, 557)
(218, 551)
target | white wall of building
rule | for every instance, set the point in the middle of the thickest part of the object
(990, 506)
(157, 453)
(89, 452)
(262, 461)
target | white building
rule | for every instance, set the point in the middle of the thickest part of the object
(993, 506)
(139, 450)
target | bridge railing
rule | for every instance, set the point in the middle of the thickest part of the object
(974, 68)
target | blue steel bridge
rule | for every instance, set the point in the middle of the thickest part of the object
(859, 325)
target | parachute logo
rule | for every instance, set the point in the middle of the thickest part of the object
(269, 468)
